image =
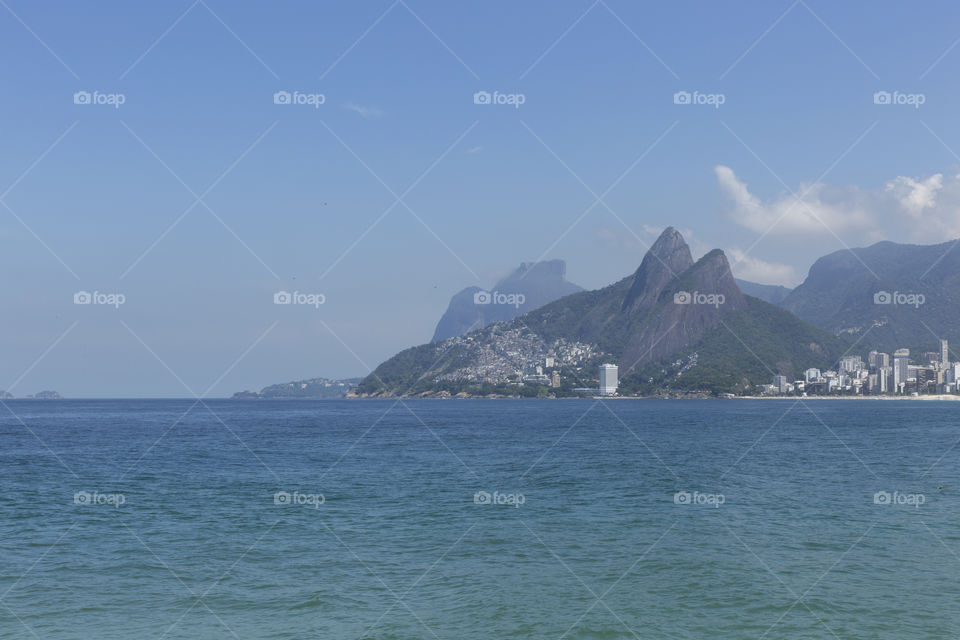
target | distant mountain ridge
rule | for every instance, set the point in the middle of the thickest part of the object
(889, 295)
(474, 308)
(670, 310)
(772, 293)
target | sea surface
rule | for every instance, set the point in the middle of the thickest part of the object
(462, 519)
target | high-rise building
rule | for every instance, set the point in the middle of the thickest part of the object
(608, 379)
(555, 379)
(812, 375)
(883, 360)
(849, 364)
(780, 383)
(901, 369)
(944, 354)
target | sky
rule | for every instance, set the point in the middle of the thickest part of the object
(183, 162)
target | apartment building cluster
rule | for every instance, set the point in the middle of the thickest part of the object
(898, 373)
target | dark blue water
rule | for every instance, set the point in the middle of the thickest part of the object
(368, 519)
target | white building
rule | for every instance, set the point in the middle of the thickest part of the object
(608, 379)
(812, 375)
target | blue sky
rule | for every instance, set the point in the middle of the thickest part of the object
(198, 198)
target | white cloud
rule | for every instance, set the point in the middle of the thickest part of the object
(747, 267)
(816, 209)
(475, 150)
(366, 112)
(916, 195)
(925, 210)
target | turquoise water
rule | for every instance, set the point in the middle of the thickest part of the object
(617, 519)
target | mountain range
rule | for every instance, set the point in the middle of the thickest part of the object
(530, 286)
(672, 325)
(887, 295)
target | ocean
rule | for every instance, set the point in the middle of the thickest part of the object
(462, 519)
